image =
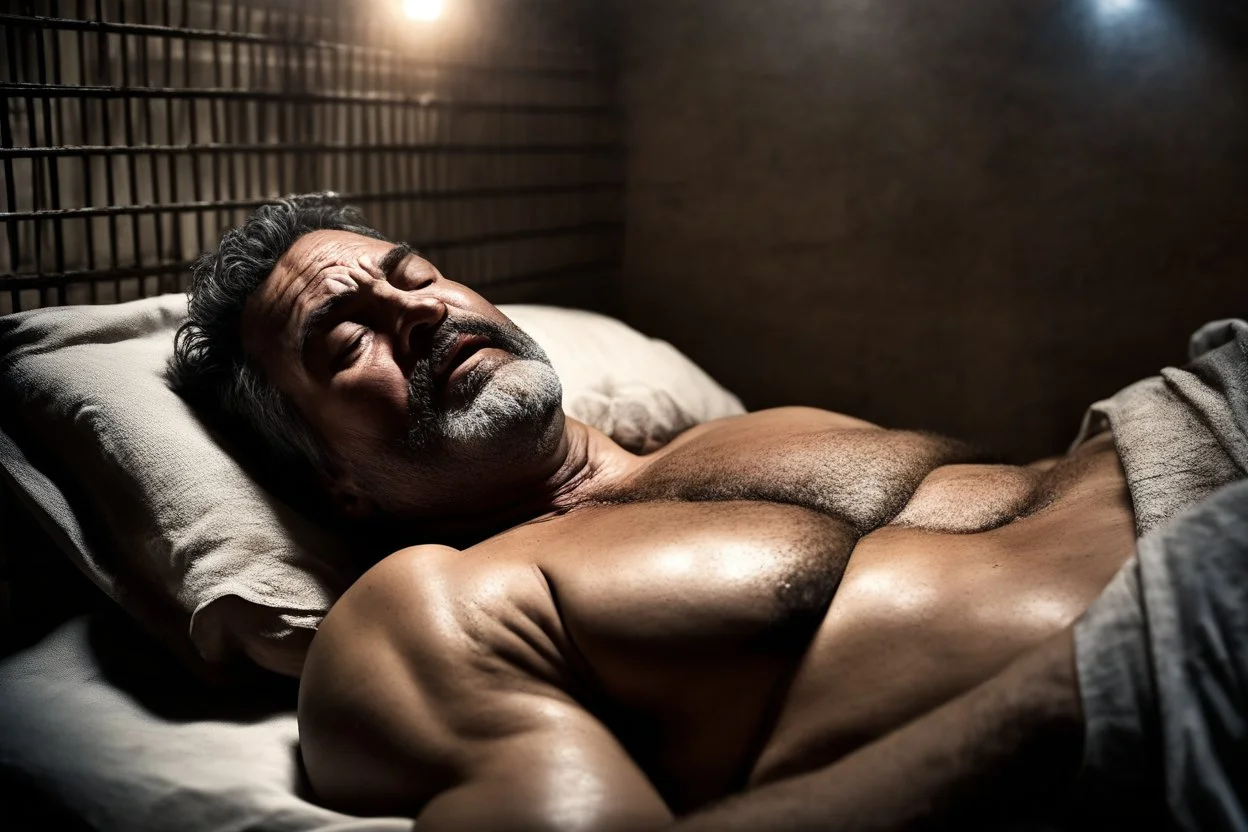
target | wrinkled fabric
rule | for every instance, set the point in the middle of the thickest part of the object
(1183, 434)
(1162, 659)
(96, 725)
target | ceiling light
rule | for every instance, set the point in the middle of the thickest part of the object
(423, 9)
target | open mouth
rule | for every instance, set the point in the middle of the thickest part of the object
(464, 348)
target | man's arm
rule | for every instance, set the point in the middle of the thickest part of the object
(436, 693)
(1002, 744)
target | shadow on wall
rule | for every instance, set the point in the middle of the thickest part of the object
(975, 219)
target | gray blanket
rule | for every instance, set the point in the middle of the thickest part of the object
(1163, 664)
(1183, 434)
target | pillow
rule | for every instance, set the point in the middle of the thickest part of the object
(152, 506)
(640, 391)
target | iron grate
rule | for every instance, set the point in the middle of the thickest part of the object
(134, 132)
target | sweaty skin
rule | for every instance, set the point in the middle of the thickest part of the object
(650, 634)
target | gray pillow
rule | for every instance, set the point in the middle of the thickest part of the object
(154, 509)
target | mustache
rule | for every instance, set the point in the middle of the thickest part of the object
(425, 412)
(443, 340)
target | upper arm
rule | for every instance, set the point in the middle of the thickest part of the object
(427, 692)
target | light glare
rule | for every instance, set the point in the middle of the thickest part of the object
(1117, 7)
(423, 9)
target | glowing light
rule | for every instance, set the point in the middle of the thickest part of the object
(423, 9)
(1116, 7)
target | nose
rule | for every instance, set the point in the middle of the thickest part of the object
(413, 315)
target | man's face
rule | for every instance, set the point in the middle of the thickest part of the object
(417, 386)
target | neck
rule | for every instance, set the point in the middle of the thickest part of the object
(590, 463)
(583, 464)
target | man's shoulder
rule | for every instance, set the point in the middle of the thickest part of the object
(431, 602)
(407, 661)
(394, 575)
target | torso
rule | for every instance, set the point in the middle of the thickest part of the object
(734, 632)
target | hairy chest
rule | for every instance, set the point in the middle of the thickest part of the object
(687, 617)
(863, 475)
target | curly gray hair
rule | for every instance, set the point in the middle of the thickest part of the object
(210, 368)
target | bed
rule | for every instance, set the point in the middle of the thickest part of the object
(102, 731)
(168, 597)
(147, 677)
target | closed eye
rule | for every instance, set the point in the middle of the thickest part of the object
(351, 350)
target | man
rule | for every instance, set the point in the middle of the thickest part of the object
(616, 640)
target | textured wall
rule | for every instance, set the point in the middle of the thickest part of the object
(974, 217)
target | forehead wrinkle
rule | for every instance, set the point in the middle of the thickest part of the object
(278, 310)
(310, 292)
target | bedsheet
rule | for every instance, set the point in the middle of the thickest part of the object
(101, 728)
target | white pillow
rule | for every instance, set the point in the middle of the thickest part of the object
(640, 391)
(156, 511)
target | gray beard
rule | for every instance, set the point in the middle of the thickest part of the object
(512, 402)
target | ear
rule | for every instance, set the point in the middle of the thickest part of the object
(350, 499)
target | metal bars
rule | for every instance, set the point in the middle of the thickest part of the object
(134, 132)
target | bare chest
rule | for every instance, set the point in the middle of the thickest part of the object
(684, 577)
(728, 639)
(681, 620)
(869, 477)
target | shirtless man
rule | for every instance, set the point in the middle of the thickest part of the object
(617, 640)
